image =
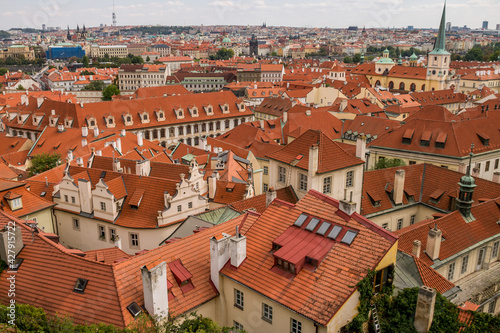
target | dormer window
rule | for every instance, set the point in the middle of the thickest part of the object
(374, 198)
(193, 111)
(68, 122)
(426, 139)
(209, 110)
(144, 117)
(160, 115)
(181, 275)
(14, 200)
(224, 108)
(241, 107)
(110, 121)
(53, 122)
(179, 112)
(485, 139)
(91, 122)
(127, 118)
(408, 136)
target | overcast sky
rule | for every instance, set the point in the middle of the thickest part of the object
(302, 13)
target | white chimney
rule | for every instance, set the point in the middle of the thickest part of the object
(238, 248)
(79, 161)
(84, 142)
(361, 147)
(118, 242)
(285, 116)
(212, 185)
(60, 128)
(308, 112)
(96, 132)
(85, 192)
(434, 243)
(496, 177)
(122, 132)
(348, 207)
(399, 186)
(417, 246)
(140, 141)
(53, 112)
(70, 155)
(261, 124)
(142, 168)
(313, 161)
(85, 131)
(119, 145)
(270, 196)
(155, 289)
(116, 165)
(6, 242)
(219, 255)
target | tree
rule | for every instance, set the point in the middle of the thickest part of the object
(137, 60)
(384, 163)
(109, 92)
(3, 71)
(20, 87)
(87, 73)
(85, 61)
(43, 162)
(347, 60)
(474, 54)
(94, 86)
(223, 54)
(148, 59)
(356, 58)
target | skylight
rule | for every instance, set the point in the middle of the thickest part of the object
(349, 237)
(312, 224)
(324, 227)
(300, 220)
(80, 285)
(134, 309)
(335, 232)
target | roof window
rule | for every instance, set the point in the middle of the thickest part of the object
(134, 309)
(349, 237)
(80, 285)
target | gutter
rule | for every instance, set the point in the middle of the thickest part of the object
(36, 142)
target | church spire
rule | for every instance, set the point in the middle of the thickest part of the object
(440, 44)
(467, 185)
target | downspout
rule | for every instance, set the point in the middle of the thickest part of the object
(56, 228)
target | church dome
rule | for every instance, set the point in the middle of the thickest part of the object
(413, 56)
(226, 40)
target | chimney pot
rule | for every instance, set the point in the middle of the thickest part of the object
(434, 237)
(417, 246)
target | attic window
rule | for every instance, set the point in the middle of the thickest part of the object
(230, 187)
(144, 117)
(441, 140)
(193, 111)
(374, 198)
(134, 309)
(209, 110)
(408, 136)
(300, 220)
(436, 196)
(160, 115)
(179, 112)
(80, 285)
(182, 275)
(349, 237)
(485, 140)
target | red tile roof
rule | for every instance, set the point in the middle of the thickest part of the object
(258, 202)
(331, 155)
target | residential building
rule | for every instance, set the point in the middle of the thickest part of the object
(133, 77)
(100, 51)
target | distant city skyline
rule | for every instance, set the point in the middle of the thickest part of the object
(293, 13)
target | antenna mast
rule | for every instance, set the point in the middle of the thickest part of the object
(114, 14)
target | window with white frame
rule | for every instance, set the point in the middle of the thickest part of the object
(266, 170)
(112, 234)
(73, 200)
(302, 182)
(265, 187)
(465, 264)
(103, 206)
(267, 312)
(451, 271)
(134, 240)
(16, 203)
(412, 219)
(238, 299)
(102, 232)
(237, 326)
(327, 185)
(179, 208)
(385, 226)
(281, 174)
(349, 180)
(295, 326)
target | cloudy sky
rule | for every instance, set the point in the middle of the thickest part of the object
(320, 13)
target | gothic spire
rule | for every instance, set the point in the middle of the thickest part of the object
(440, 44)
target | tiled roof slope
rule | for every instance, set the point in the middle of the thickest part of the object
(317, 294)
(372, 126)
(458, 136)
(48, 275)
(438, 97)
(161, 91)
(258, 202)
(31, 203)
(274, 106)
(319, 119)
(431, 278)
(420, 179)
(227, 192)
(331, 155)
(459, 234)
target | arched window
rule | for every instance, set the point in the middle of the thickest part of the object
(402, 86)
(413, 87)
(377, 83)
(423, 87)
(391, 85)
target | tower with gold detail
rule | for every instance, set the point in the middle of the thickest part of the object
(438, 61)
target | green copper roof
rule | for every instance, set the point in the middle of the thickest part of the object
(385, 61)
(440, 47)
(413, 56)
(386, 51)
(226, 40)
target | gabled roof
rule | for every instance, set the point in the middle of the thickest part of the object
(331, 155)
(318, 293)
(258, 202)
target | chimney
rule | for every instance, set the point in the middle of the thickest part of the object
(262, 124)
(79, 161)
(285, 116)
(96, 132)
(212, 185)
(433, 242)
(139, 139)
(219, 255)
(142, 168)
(53, 112)
(348, 207)
(425, 309)
(84, 142)
(85, 192)
(343, 104)
(118, 242)
(70, 155)
(417, 246)
(39, 102)
(313, 161)
(119, 144)
(122, 132)
(496, 177)
(85, 131)
(6, 244)
(116, 165)
(238, 248)
(154, 287)
(399, 186)
(270, 196)
(308, 112)
(203, 143)
(361, 147)
(60, 128)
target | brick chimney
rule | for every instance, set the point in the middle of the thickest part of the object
(417, 246)
(219, 255)
(434, 237)
(399, 186)
(154, 287)
(270, 196)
